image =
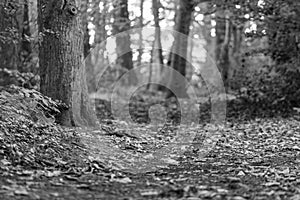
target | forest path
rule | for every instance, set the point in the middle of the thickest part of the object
(255, 159)
(252, 159)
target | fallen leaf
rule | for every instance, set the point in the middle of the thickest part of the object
(122, 180)
(241, 173)
(270, 184)
(149, 192)
(21, 191)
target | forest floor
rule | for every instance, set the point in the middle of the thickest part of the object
(256, 155)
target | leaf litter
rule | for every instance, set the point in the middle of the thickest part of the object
(254, 158)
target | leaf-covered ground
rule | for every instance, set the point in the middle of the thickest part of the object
(256, 155)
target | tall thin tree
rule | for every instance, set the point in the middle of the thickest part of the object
(141, 25)
(157, 51)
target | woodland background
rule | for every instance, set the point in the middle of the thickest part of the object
(60, 140)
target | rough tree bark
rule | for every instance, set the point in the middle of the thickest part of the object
(61, 54)
(85, 23)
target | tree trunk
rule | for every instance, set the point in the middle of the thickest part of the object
(223, 32)
(235, 54)
(156, 54)
(183, 22)
(62, 70)
(11, 28)
(85, 23)
(163, 81)
(176, 4)
(121, 24)
(100, 21)
(141, 25)
(157, 51)
(26, 45)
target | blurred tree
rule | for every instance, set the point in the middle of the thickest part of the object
(26, 44)
(121, 26)
(156, 53)
(141, 25)
(11, 29)
(178, 61)
(223, 38)
(157, 50)
(61, 54)
(283, 29)
(235, 53)
(163, 79)
(100, 19)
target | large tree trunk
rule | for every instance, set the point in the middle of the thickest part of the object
(183, 22)
(62, 69)
(11, 27)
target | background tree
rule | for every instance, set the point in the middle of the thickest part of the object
(122, 24)
(156, 53)
(11, 29)
(223, 39)
(141, 25)
(157, 50)
(163, 79)
(26, 51)
(182, 26)
(62, 71)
